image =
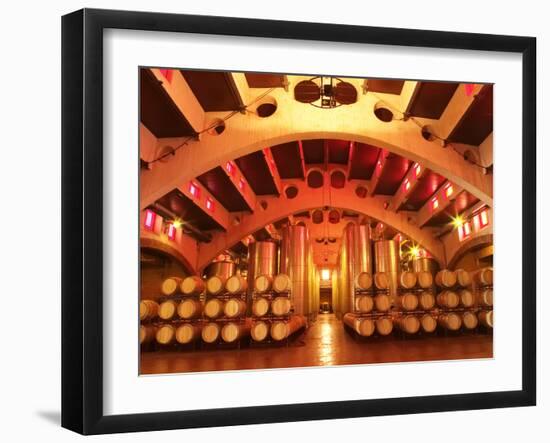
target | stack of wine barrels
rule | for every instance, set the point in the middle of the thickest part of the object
(180, 310)
(272, 317)
(225, 309)
(483, 280)
(463, 301)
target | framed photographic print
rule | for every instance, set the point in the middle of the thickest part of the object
(271, 221)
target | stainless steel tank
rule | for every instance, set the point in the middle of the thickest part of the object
(346, 268)
(363, 250)
(425, 264)
(262, 259)
(222, 268)
(294, 262)
(386, 259)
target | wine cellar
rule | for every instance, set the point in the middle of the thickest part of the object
(291, 221)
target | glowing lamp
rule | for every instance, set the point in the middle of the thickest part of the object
(407, 184)
(194, 190)
(457, 221)
(435, 204)
(150, 217)
(325, 274)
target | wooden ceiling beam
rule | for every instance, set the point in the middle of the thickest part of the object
(443, 199)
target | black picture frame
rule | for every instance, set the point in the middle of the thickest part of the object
(82, 232)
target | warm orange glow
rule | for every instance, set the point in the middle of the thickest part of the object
(435, 204)
(407, 184)
(417, 170)
(325, 274)
(177, 224)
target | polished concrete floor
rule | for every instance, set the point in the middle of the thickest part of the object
(324, 343)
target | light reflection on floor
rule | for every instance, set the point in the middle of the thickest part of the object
(324, 343)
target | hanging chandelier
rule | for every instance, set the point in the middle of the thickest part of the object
(325, 92)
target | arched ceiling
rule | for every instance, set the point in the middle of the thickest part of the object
(254, 160)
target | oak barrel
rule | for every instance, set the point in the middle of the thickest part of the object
(466, 298)
(426, 300)
(282, 283)
(234, 307)
(187, 333)
(236, 284)
(381, 280)
(450, 321)
(463, 278)
(428, 323)
(469, 319)
(147, 333)
(486, 318)
(260, 306)
(282, 329)
(484, 276)
(280, 306)
(231, 332)
(362, 326)
(448, 299)
(445, 278)
(215, 285)
(170, 286)
(148, 309)
(382, 302)
(259, 330)
(263, 283)
(192, 285)
(189, 308)
(213, 308)
(425, 279)
(408, 301)
(407, 280)
(363, 281)
(210, 332)
(167, 309)
(364, 303)
(485, 297)
(384, 325)
(165, 334)
(409, 324)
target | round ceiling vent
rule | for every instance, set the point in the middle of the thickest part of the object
(382, 112)
(315, 179)
(291, 192)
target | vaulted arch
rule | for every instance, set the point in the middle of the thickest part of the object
(307, 199)
(247, 133)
